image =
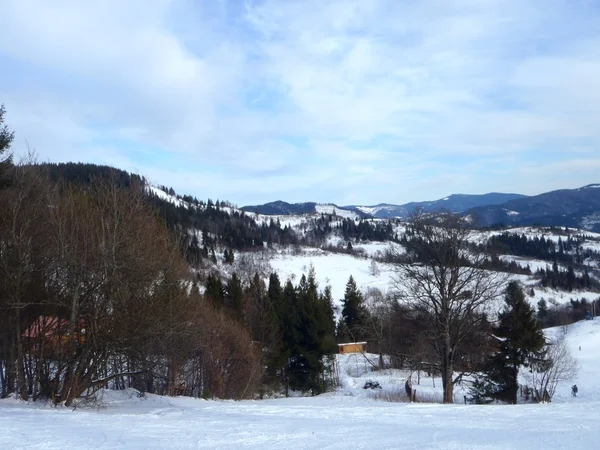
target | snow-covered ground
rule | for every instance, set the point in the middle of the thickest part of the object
(348, 418)
(334, 269)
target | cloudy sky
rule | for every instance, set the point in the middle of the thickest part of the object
(348, 101)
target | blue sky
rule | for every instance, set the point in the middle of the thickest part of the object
(353, 101)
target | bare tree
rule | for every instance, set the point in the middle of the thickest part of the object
(23, 213)
(557, 365)
(440, 279)
(376, 325)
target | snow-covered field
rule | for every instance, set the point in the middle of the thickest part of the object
(346, 419)
(334, 269)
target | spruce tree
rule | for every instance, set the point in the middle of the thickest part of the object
(276, 360)
(306, 320)
(354, 312)
(521, 338)
(6, 138)
(288, 318)
(234, 296)
(214, 290)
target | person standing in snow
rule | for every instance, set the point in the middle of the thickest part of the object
(574, 390)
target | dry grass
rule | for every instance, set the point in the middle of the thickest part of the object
(399, 396)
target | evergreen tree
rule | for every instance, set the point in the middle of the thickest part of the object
(327, 321)
(308, 327)
(288, 319)
(354, 312)
(521, 339)
(6, 138)
(214, 290)
(234, 296)
(277, 356)
(542, 309)
(571, 278)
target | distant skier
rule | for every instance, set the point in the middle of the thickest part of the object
(574, 390)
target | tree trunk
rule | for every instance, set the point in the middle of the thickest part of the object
(448, 385)
(447, 382)
(513, 387)
(21, 384)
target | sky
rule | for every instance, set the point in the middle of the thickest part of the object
(344, 101)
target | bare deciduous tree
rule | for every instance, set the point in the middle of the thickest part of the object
(557, 365)
(439, 278)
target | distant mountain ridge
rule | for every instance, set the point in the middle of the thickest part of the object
(456, 203)
(564, 207)
(578, 208)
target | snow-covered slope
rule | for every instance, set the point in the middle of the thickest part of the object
(334, 269)
(349, 418)
(164, 196)
(328, 208)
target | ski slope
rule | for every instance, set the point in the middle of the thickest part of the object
(348, 418)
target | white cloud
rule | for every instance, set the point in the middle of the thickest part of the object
(347, 101)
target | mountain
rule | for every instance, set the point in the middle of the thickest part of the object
(456, 203)
(281, 208)
(564, 207)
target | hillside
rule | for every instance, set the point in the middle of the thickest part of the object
(287, 209)
(579, 208)
(289, 243)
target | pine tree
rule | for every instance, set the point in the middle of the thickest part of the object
(354, 312)
(521, 339)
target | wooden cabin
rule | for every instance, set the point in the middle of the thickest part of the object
(352, 347)
(51, 332)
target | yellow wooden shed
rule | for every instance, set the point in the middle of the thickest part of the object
(352, 347)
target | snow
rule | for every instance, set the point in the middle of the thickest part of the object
(333, 269)
(371, 210)
(336, 422)
(590, 221)
(584, 334)
(347, 418)
(374, 210)
(164, 196)
(534, 264)
(378, 249)
(328, 208)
